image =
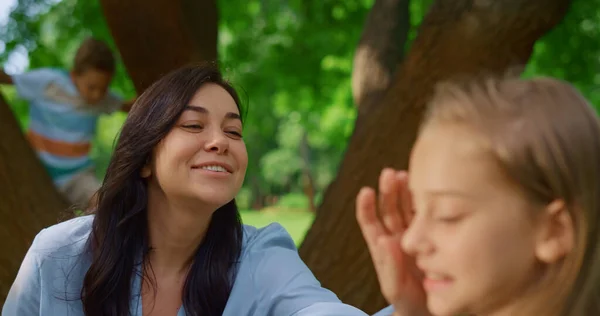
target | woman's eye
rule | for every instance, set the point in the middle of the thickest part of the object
(192, 126)
(234, 133)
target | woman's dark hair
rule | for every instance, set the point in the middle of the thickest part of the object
(118, 242)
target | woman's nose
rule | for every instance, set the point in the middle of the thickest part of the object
(217, 142)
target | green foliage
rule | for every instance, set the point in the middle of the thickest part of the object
(294, 59)
(20, 107)
(244, 199)
(571, 51)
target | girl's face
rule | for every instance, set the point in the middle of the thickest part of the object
(478, 240)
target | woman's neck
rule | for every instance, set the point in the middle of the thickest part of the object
(175, 232)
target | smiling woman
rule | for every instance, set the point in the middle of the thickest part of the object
(166, 236)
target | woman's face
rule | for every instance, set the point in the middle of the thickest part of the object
(203, 158)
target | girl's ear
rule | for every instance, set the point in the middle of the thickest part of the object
(556, 236)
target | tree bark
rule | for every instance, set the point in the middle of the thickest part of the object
(157, 36)
(380, 49)
(456, 37)
(308, 182)
(28, 200)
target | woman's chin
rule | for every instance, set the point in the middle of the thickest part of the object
(214, 200)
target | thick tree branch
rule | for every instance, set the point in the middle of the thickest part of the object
(456, 37)
(380, 49)
(28, 200)
(157, 36)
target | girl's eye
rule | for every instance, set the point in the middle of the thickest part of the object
(449, 219)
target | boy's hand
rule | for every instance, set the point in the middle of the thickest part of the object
(399, 278)
(4, 78)
(127, 105)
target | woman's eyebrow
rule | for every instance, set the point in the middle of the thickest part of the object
(203, 110)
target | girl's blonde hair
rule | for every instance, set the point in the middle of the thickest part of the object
(546, 137)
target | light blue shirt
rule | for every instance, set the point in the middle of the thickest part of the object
(271, 280)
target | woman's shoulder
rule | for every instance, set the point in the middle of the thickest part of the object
(66, 238)
(270, 257)
(52, 272)
(280, 282)
(272, 236)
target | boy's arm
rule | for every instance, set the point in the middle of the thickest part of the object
(127, 105)
(32, 85)
(4, 78)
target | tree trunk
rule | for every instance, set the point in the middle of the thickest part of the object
(157, 36)
(28, 200)
(153, 37)
(258, 199)
(308, 182)
(380, 49)
(456, 37)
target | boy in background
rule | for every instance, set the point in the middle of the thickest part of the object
(64, 108)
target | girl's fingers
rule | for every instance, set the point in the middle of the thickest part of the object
(406, 208)
(389, 185)
(390, 269)
(366, 215)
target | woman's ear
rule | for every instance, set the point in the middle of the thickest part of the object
(146, 169)
(556, 236)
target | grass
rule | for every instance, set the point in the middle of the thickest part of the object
(295, 222)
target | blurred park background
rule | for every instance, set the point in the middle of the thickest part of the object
(293, 62)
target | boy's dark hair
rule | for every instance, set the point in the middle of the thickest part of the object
(94, 54)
